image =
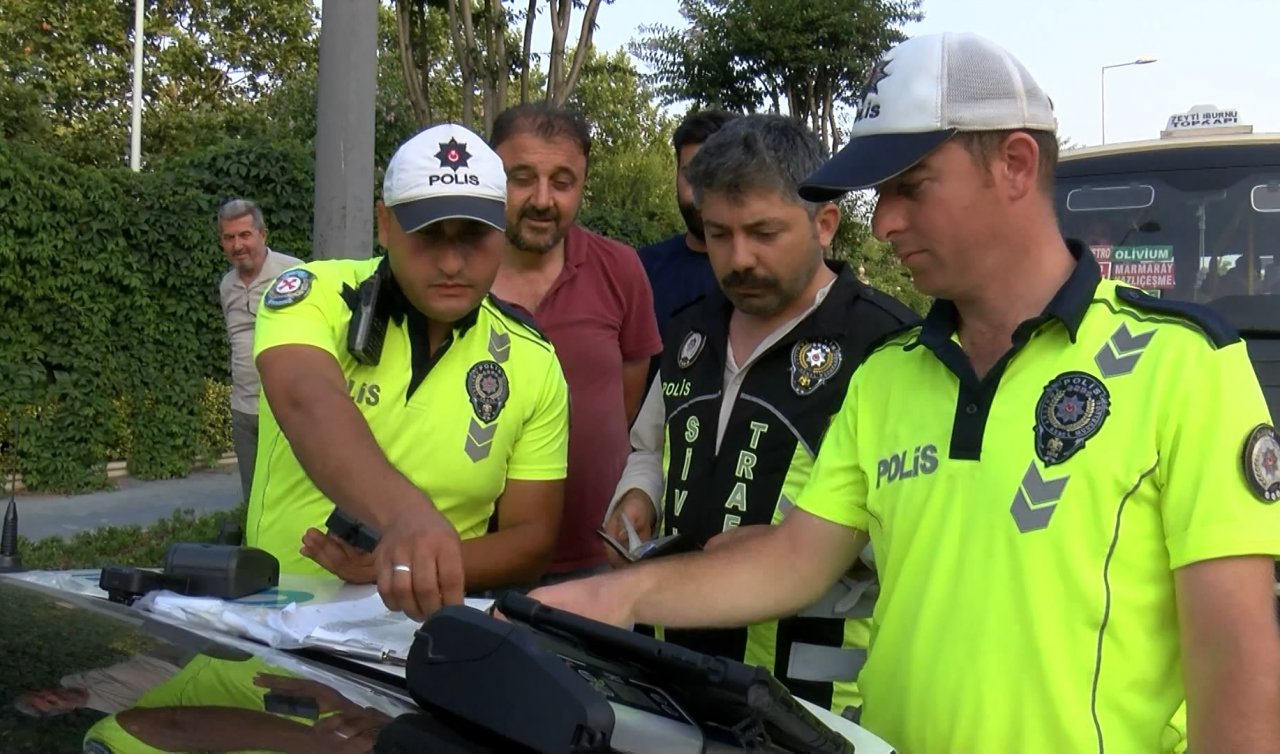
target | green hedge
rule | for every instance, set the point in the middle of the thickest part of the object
(110, 328)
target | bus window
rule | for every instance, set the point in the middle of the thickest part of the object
(1266, 198)
(1094, 199)
(1193, 235)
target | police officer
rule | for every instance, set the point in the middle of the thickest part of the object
(748, 383)
(398, 390)
(1069, 484)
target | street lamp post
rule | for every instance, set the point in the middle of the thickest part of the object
(135, 128)
(1140, 61)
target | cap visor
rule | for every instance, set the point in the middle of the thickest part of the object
(420, 213)
(868, 161)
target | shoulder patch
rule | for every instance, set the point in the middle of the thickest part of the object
(289, 288)
(520, 315)
(1213, 325)
(1262, 463)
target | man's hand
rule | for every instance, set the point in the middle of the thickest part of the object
(352, 732)
(418, 561)
(636, 506)
(339, 558)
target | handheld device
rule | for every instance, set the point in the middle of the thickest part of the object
(730, 701)
(550, 681)
(368, 327)
(344, 526)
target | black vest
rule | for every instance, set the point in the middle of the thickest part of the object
(785, 404)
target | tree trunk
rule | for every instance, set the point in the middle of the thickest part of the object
(502, 75)
(580, 52)
(464, 44)
(412, 82)
(560, 11)
(811, 107)
(829, 107)
(525, 59)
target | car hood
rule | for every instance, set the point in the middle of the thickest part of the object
(84, 674)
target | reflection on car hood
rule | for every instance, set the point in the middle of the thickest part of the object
(83, 674)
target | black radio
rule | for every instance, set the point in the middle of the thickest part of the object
(368, 327)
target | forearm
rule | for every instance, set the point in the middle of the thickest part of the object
(334, 445)
(1234, 704)
(507, 557)
(1231, 655)
(772, 575)
(213, 729)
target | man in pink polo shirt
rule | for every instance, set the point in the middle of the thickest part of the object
(590, 296)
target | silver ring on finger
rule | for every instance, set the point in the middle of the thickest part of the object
(401, 567)
(340, 734)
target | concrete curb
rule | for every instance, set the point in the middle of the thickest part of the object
(120, 470)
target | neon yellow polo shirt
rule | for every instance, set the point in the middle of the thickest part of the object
(1027, 526)
(491, 406)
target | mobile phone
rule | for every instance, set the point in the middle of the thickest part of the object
(345, 527)
(670, 544)
(291, 705)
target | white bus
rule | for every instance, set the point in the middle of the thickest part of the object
(1194, 218)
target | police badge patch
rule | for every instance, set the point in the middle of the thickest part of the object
(290, 288)
(690, 348)
(813, 362)
(1262, 463)
(488, 390)
(1072, 409)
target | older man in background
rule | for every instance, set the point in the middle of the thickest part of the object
(243, 236)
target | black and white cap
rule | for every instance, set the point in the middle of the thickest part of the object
(445, 171)
(921, 93)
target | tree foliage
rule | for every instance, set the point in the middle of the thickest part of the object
(630, 191)
(203, 62)
(802, 58)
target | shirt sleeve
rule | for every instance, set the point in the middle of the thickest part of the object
(542, 451)
(639, 337)
(1209, 506)
(837, 486)
(301, 308)
(644, 466)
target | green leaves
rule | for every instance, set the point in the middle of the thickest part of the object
(111, 337)
(66, 71)
(794, 56)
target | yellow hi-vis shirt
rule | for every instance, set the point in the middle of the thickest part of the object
(1027, 525)
(492, 405)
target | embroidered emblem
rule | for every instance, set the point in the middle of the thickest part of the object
(453, 154)
(1262, 463)
(290, 288)
(690, 348)
(813, 362)
(487, 387)
(1072, 409)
